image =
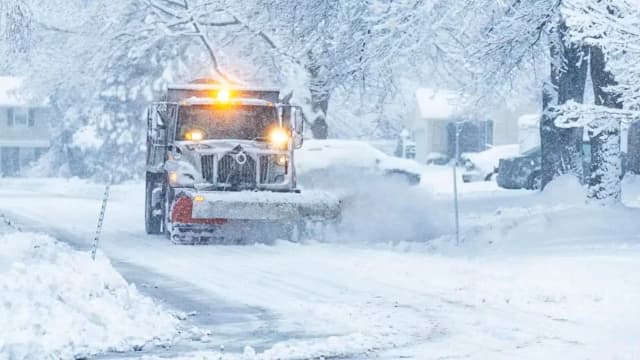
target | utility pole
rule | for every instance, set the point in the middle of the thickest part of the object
(458, 129)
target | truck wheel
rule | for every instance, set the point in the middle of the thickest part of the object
(153, 220)
(535, 181)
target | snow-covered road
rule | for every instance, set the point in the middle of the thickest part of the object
(353, 296)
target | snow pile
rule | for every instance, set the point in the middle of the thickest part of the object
(631, 189)
(559, 220)
(565, 189)
(56, 303)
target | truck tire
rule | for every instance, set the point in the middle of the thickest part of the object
(153, 222)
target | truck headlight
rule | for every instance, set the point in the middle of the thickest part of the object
(279, 137)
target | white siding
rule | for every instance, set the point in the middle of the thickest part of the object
(37, 135)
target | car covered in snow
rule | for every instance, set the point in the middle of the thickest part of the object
(482, 166)
(436, 158)
(525, 171)
(319, 160)
(521, 172)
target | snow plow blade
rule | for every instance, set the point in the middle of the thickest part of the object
(265, 205)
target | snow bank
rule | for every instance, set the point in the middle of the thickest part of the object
(631, 189)
(558, 220)
(565, 189)
(56, 303)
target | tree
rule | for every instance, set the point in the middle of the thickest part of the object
(501, 40)
(609, 31)
(325, 43)
(561, 148)
(99, 72)
(604, 135)
(15, 31)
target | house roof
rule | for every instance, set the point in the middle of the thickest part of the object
(437, 104)
(10, 91)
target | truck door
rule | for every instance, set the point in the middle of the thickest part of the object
(161, 117)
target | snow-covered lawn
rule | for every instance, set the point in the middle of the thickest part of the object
(56, 303)
(537, 275)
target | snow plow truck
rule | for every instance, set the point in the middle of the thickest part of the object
(220, 167)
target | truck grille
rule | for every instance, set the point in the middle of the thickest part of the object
(208, 162)
(232, 173)
(264, 168)
(243, 176)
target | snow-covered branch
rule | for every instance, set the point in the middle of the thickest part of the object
(612, 25)
(185, 21)
(574, 114)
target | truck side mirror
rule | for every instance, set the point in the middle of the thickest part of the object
(298, 126)
(160, 116)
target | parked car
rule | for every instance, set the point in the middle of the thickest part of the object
(525, 171)
(520, 172)
(319, 160)
(482, 166)
(436, 158)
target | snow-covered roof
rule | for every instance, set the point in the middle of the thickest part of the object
(437, 104)
(10, 91)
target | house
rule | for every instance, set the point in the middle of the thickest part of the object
(434, 126)
(24, 127)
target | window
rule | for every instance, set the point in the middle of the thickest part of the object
(10, 117)
(240, 122)
(20, 117)
(32, 118)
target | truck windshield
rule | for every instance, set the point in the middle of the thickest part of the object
(244, 122)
